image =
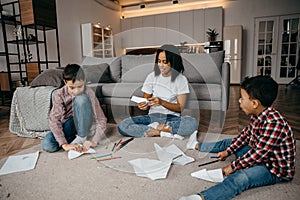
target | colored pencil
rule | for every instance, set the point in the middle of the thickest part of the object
(122, 144)
(214, 157)
(114, 147)
(104, 159)
(119, 142)
(208, 163)
(128, 140)
(95, 157)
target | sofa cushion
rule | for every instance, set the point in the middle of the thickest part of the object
(114, 65)
(120, 90)
(50, 77)
(200, 68)
(205, 91)
(115, 69)
(99, 73)
(136, 68)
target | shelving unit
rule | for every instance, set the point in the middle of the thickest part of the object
(12, 45)
(25, 27)
(97, 40)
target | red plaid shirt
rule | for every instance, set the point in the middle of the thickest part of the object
(272, 142)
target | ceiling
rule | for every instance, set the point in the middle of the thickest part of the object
(130, 3)
(132, 8)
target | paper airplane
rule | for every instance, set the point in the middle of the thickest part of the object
(74, 154)
(173, 151)
(158, 169)
(153, 169)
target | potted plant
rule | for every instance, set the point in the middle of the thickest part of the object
(212, 34)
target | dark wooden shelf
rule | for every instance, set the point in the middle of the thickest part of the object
(11, 20)
(30, 42)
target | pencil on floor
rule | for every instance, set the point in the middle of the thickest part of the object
(122, 144)
(119, 142)
(208, 163)
(214, 157)
(106, 155)
(104, 159)
(114, 147)
(128, 140)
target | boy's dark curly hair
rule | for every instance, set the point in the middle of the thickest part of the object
(73, 72)
(262, 88)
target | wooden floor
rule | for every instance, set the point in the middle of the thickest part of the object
(288, 103)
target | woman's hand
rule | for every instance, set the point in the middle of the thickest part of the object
(154, 101)
(143, 106)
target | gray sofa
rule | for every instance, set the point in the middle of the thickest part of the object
(115, 80)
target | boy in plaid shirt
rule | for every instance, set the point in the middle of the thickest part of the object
(265, 149)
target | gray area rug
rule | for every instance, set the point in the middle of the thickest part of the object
(57, 177)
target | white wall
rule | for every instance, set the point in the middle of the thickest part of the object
(244, 12)
(70, 15)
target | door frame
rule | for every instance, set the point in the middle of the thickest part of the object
(274, 53)
(280, 30)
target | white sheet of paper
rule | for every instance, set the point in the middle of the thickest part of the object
(153, 169)
(74, 154)
(138, 99)
(214, 175)
(173, 152)
(19, 163)
(158, 169)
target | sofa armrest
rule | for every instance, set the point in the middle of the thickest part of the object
(225, 85)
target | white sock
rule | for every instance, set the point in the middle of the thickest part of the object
(79, 140)
(176, 136)
(153, 125)
(191, 144)
(191, 197)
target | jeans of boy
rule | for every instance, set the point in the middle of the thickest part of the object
(241, 180)
(79, 124)
(138, 126)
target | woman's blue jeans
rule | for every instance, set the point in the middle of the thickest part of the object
(79, 124)
(138, 126)
(241, 180)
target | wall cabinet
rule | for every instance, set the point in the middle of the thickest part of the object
(175, 28)
(97, 40)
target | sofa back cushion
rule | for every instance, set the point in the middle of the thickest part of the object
(49, 77)
(135, 68)
(114, 65)
(98, 73)
(200, 68)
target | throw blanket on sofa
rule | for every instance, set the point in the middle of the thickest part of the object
(30, 108)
